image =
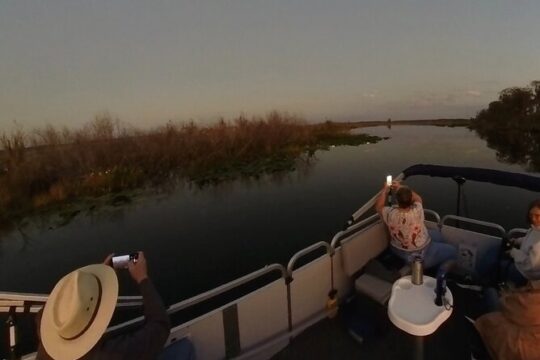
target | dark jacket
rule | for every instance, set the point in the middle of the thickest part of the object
(145, 342)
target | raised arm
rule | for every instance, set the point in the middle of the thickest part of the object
(379, 204)
(147, 341)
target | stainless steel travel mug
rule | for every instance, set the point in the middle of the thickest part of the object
(417, 277)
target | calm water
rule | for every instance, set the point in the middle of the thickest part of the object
(197, 239)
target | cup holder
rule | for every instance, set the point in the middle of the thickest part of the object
(404, 284)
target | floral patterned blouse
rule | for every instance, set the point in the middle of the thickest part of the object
(407, 229)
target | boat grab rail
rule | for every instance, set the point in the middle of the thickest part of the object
(516, 231)
(476, 222)
(226, 287)
(368, 221)
(209, 294)
(32, 303)
(303, 252)
(435, 215)
(348, 231)
(42, 298)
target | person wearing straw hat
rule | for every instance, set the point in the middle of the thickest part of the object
(80, 307)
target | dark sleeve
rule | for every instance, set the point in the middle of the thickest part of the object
(41, 353)
(146, 342)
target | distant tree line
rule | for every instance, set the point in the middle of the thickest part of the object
(517, 107)
(511, 126)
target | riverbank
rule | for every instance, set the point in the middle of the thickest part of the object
(47, 169)
(427, 122)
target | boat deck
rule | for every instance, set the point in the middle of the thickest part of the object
(330, 339)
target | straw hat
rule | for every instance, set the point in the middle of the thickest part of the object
(78, 311)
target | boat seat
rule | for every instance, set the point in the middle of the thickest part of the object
(374, 268)
(378, 278)
(377, 289)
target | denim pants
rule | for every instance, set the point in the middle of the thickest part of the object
(435, 253)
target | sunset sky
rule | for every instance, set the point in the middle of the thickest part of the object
(146, 62)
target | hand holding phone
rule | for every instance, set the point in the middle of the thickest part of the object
(138, 270)
(122, 261)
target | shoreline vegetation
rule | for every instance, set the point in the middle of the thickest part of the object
(50, 170)
(511, 126)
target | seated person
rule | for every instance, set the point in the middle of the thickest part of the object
(526, 258)
(73, 322)
(409, 237)
(512, 331)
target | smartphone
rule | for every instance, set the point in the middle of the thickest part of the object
(389, 180)
(122, 261)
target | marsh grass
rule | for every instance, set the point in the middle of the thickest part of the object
(50, 166)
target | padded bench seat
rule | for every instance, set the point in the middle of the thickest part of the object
(374, 287)
(373, 268)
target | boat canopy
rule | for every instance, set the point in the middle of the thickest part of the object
(497, 177)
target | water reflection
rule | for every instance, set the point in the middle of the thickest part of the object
(514, 146)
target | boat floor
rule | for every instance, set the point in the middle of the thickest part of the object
(330, 339)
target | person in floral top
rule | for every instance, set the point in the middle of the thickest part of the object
(409, 237)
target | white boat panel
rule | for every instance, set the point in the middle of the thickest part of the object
(206, 334)
(342, 282)
(363, 246)
(309, 289)
(263, 314)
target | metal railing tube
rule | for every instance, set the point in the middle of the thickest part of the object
(476, 222)
(519, 231)
(435, 215)
(226, 287)
(209, 294)
(290, 268)
(306, 251)
(32, 303)
(359, 224)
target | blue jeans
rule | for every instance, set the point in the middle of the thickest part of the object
(435, 253)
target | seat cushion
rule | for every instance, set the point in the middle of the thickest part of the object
(374, 287)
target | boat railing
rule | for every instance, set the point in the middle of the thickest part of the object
(434, 214)
(517, 233)
(12, 302)
(308, 312)
(501, 231)
(334, 243)
(304, 252)
(290, 267)
(210, 293)
(371, 220)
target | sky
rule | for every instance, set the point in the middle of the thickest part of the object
(63, 62)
